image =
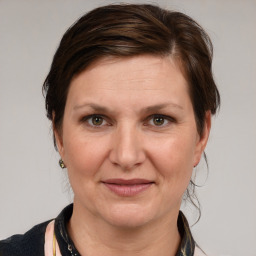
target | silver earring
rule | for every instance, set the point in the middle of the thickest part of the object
(61, 163)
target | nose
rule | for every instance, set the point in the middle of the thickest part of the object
(127, 151)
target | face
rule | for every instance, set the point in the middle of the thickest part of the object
(129, 139)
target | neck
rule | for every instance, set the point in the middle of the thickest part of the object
(92, 236)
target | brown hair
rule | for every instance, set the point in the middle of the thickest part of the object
(128, 30)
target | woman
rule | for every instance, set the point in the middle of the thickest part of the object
(130, 94)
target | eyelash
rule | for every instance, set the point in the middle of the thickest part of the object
(148, 119)
(167, 119)
(87, 118)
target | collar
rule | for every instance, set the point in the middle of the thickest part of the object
(67, 247)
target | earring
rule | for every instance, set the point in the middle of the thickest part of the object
(61, 163)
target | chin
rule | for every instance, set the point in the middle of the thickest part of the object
(129, 216)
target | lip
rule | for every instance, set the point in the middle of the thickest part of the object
(127, 188)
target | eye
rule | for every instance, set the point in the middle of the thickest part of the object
(95, 120)
(160, 120)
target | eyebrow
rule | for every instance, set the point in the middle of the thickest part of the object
(153, 108)
(161, 106)
(95, 107)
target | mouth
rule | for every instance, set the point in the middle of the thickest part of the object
(127, 188)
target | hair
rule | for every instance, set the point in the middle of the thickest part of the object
(126, 30)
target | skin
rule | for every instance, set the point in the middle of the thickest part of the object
(128, 143)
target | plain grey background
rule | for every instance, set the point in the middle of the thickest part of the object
(32, 186)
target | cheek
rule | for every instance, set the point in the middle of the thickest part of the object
(83, 157)
(173, 160)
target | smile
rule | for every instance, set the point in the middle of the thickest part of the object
(127, 188)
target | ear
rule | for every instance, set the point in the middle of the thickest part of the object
(58, 138)
(59, 142)
(202, 141)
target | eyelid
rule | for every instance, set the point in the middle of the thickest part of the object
(162, 115)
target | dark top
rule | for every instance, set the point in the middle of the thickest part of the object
(32, 242)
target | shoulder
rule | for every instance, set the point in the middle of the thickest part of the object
(31, 243)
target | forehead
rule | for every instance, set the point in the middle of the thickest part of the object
(146, 77)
